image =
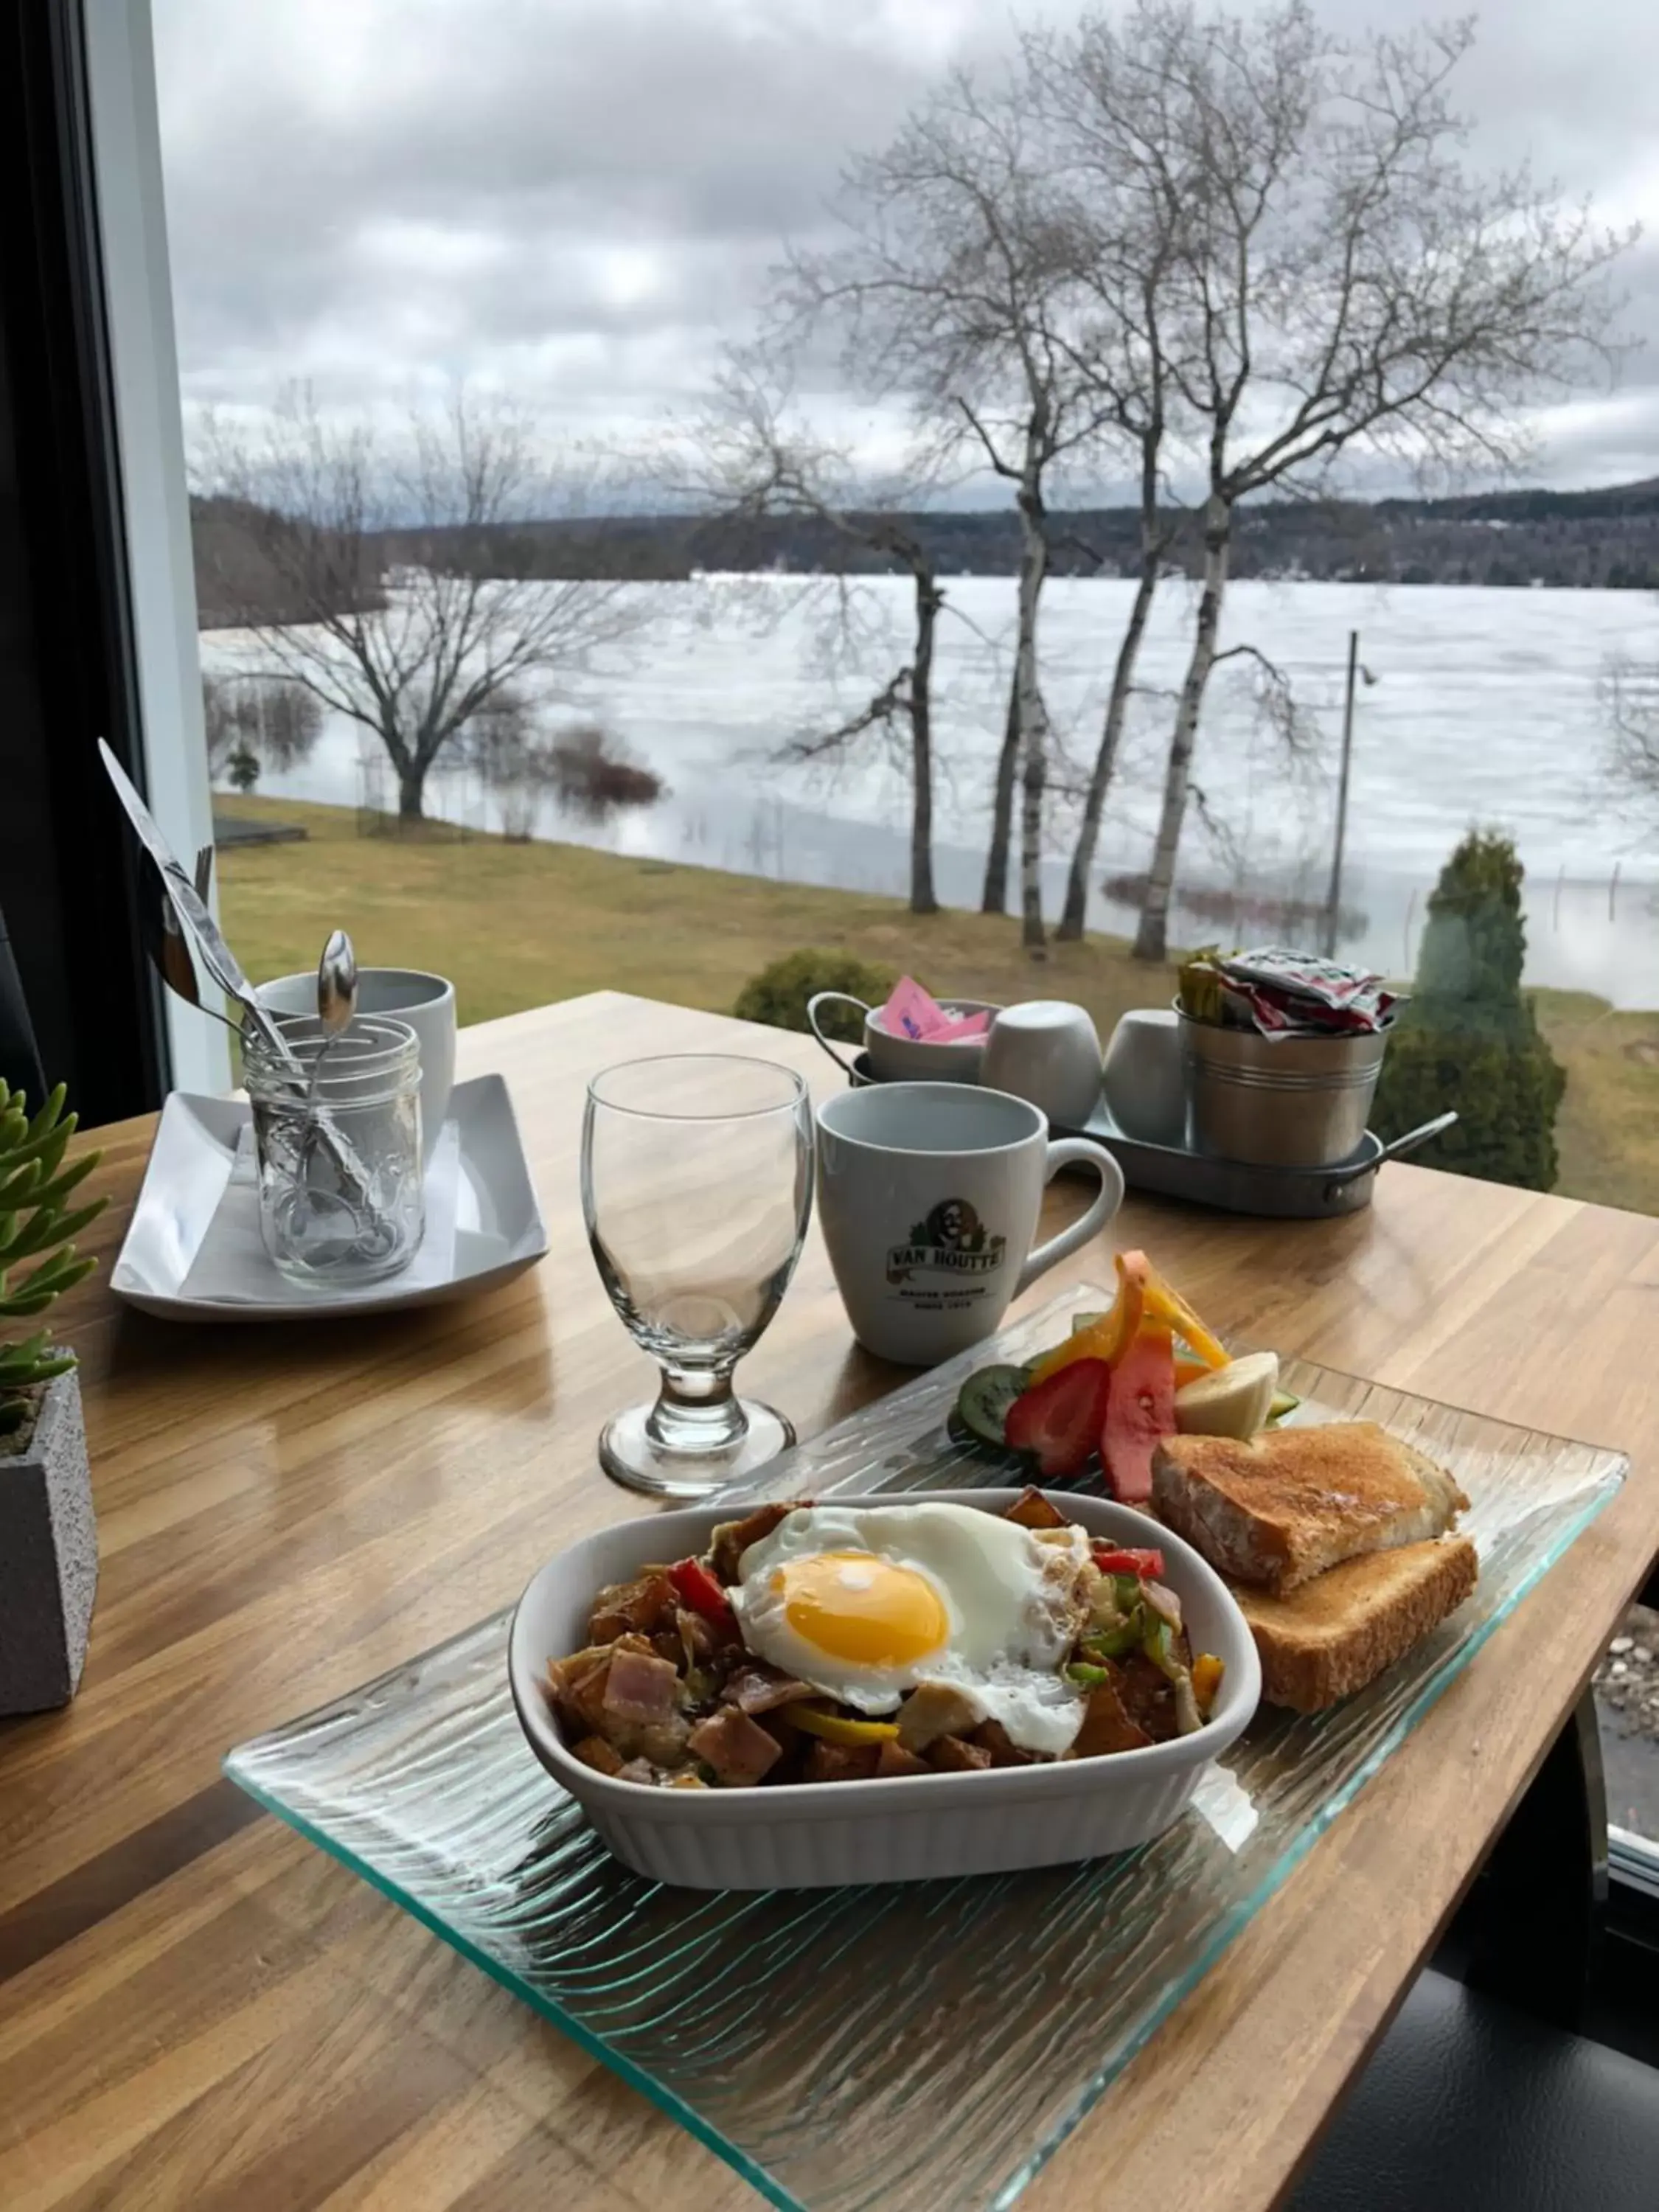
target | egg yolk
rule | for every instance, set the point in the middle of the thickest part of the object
(860, 1607)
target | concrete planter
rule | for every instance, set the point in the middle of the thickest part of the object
(48, 1556)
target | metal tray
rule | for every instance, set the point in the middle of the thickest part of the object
(1235, 1185)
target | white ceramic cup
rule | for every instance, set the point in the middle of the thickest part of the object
(425, 1002)
(1046, 1051)
(929, 1194)
(1144, 1083)
(903, 1059)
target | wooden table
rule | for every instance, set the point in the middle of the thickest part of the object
(197, 2009)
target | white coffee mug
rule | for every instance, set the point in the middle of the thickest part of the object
(1048, 1051)
(929, 1194)
(425, 1002)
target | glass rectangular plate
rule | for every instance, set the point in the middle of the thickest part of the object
(920, 2045)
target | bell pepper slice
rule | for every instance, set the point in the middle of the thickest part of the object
(1158, 1642)
(1163, 1304)
(698, 1589)
(1116, 1642)
(1132, 1561)
(1107, 1338)
(1085, 1676)
(1207, 1671)
(834, 1727)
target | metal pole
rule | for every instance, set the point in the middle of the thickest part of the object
(1333, 898)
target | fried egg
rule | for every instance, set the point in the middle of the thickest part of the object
(865, 1603)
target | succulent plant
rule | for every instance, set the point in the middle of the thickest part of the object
(34, 1188)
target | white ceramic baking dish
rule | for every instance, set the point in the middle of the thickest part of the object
(813, 1835)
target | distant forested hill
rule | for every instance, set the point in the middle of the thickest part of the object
(1605, 540)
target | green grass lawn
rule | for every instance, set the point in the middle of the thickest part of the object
(519, 925)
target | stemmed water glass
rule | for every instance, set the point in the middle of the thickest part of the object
(696, 1189)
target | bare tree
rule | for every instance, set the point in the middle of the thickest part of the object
(953, 289)
(328, 506)
(1347, 280)
(1124, 230)
(746, 455)
(1630, 697)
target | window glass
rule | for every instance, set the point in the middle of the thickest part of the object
(675, 487)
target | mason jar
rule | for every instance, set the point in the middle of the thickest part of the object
(338, 1141)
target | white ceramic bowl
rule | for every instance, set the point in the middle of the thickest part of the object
(895, 1058)
(814, 1835)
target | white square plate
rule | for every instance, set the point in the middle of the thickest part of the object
(499, 1232)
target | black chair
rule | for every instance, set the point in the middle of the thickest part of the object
(1469, 2106)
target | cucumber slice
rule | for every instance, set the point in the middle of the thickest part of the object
(1283, 1404)
(983, 1401)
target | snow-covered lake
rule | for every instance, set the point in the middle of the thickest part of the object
(1488, 707)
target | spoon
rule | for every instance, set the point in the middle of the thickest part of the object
(337, 1004)
(336, 987)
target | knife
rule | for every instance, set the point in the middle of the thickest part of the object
(204, 933)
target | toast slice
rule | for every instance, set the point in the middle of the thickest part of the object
(1338, 1632)
(1292, 1502)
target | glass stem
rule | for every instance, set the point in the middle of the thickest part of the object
(696, 1411)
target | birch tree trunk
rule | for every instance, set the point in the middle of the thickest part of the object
(1111, 737)
(929, 599)
(1033, 716)
(1030, 839)
(1152, 938)
(995, 897)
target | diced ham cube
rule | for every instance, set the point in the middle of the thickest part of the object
(951, 1755)
(739, 1750)
(763, 1689)
(641, 1687)
(842, 1762)
(894, 1758)
(991, 1736)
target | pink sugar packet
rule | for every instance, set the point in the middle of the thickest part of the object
(910, 1011)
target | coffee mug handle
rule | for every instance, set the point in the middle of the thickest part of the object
(1062, 1153)
(822, 999)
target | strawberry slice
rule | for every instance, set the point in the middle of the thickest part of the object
(1058, 1422)
(1140, 1413)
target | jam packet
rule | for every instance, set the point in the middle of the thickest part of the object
(1280, 991)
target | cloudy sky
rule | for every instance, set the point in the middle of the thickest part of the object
(577, 201)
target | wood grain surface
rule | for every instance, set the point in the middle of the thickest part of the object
(197, 2009)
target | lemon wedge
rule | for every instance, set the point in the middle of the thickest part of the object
(1234, 1401)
